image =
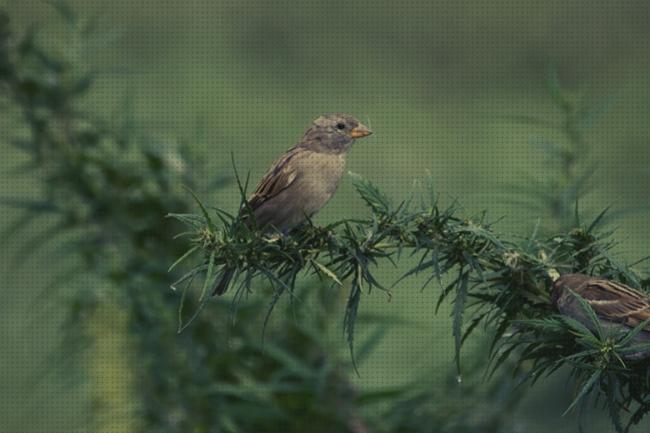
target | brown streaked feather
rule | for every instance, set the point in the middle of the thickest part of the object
(618, 307)
(279, 178)
(616, 302)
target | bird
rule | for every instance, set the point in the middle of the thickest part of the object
(618, 307)
(302, 180)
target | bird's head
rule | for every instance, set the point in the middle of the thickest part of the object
(334, 133)
(565, 283)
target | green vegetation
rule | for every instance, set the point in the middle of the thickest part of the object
(100, 185)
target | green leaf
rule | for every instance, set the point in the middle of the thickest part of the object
(350, 317)
(634, 349)
(289, 361)
(209, 277)
(208, 220)
(577, 327)
(65, 11)
(377, 201)
(183, 257)
(597, 220)
(586, 388)
(555, 90)
(326, 271)
(459, 309)
(370, 344)
(588, 115)
(192, 220)
(374, 397)
(591, 314)
(188, 275)
(612, 405)
(629, 336)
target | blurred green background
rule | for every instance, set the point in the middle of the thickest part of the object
(435, 81)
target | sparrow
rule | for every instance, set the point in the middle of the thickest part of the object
(303, 179)
(617, 306)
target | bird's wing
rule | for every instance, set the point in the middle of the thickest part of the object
(281, 175)
(617, 302)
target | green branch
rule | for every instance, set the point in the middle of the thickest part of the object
(499, 283)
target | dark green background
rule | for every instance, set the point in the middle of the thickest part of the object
(433, 79)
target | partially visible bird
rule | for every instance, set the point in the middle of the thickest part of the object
(301, 182)
(617, 306)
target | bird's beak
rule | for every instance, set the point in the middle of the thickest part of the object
(360, 131)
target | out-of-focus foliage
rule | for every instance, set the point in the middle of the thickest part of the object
(109, 189)
(571, 171)
(448, 407)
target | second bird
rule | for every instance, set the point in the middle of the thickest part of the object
(301, 182)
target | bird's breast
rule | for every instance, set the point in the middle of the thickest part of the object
(320, 177)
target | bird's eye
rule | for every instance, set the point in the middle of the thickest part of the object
(340, 125)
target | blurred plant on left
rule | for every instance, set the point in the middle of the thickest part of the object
(106, 188)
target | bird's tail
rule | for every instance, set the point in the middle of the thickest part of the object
(223, 283)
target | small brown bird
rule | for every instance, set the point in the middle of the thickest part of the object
(617, 306)
(302, 181)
